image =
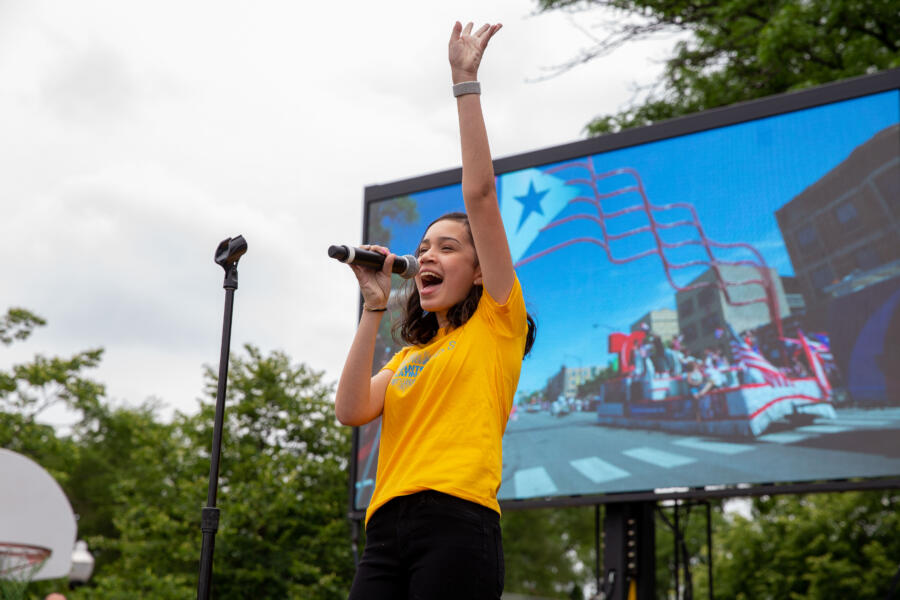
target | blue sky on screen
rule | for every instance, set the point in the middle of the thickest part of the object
(735, 177)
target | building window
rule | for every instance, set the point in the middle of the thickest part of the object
(685, 308)
(821, 277)
(807, 239)
(867, 258)
(706, 296)
(796, 302)
(847, 216)
(689, 332)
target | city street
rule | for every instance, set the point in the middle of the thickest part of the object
(545, 455)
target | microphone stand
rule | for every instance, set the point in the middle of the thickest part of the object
(227, 255)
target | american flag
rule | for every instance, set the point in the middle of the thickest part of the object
(815, 361)
(818, 343)
(751, 359)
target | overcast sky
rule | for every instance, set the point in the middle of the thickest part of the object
(134, 136)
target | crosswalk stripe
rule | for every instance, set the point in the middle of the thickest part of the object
(822, 429)
(533, 482)
(660, 458)
(785, 437)
(709, 446)
(598, 470)
(855, 422)
(874, 415)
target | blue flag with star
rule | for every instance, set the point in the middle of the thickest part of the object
(529, 200)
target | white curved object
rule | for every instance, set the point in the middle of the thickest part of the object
(34, 510)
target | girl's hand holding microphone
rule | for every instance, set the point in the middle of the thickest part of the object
(375, 284)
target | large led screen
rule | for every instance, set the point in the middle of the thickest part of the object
(715, 308)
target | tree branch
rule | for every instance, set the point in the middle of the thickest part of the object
(880, 35)
(604, 46)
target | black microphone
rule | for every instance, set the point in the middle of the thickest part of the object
(404, 266)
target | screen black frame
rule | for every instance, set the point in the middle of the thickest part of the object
(710, 119)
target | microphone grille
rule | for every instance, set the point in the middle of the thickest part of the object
(412, 266)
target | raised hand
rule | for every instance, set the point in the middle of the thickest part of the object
(467, 48)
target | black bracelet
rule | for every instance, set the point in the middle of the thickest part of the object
(366, 308)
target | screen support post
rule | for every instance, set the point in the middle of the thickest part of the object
(355, 526)
(629, 558)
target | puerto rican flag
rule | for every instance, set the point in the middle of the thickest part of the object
(815, 361)
(751, 359)
(529, 200)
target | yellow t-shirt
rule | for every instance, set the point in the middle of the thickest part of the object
(446, 407)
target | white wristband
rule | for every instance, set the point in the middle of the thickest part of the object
(466, 87)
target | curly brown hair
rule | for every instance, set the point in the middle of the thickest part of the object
(418, 326)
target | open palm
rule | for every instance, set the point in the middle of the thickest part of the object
(467, 48)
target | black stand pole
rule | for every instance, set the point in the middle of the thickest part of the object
(597, 572)
(227, 255)
(629, 544)
(354, 540)
(682, 556)
(709, 548)
(676, 539)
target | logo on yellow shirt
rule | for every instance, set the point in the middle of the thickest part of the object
(414, 364)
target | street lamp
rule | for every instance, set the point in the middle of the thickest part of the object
(577, 359)
(82, 564)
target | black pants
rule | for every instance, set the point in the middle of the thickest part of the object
(431, 546)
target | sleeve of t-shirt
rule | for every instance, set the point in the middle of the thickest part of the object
(507, 319)
(396, 360)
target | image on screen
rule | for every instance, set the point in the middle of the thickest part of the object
(717, 308)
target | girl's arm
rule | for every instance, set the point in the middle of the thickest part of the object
(479, 192)
(360, 397)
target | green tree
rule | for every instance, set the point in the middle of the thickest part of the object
(739, 50)
(284, 531)
(819, 546)
(592, 387)
(18, 324)
(28, 389)
(693, 551)
(138, 483)
(137, 486)
(549, 552)
(401, 210)
(282, 492)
